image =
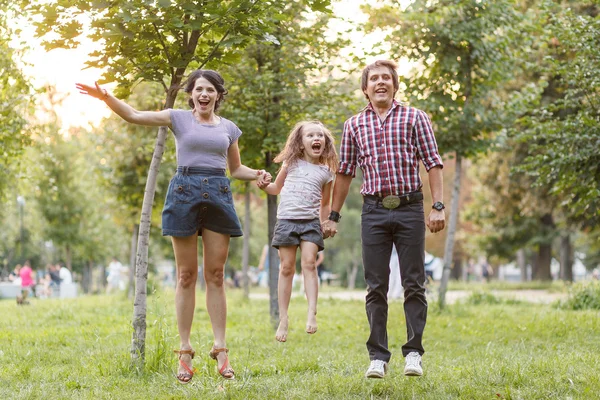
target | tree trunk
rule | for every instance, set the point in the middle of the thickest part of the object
(273, 262)
(534, 265)
(138, 342)
(544, 258)
(352, 274)
(246, 248)
(542, 270)
(458, 272)
(87, 277)
(522, 263)
(132, 253)
(452, 223)
(566, 258)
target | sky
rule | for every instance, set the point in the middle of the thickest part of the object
(63, 68)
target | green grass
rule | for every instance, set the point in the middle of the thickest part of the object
(79, 349)
(552, 286)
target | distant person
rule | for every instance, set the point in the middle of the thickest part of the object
(262, 277)
(47, 281)
(309, 161)
(395, 290)
(429, 267)
(27, 280)
(15, 274)
(113, 280)
(65, 275)
(388, 141)
(54, 273)
(486, 271)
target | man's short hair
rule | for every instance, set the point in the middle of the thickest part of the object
(391, 65)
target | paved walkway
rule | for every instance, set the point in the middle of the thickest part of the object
(531, 296)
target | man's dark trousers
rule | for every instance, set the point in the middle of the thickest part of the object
(381, 228)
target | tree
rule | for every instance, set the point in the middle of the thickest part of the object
(549, 146)
(61, 198)
(462, 51)
(563, 132)
(156, 42)
(15, 91)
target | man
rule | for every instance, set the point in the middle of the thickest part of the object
(113, 280)
(387, 140)
(65, 275)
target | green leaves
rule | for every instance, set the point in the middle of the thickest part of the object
(462, 52)
(153, 41)
(279, 81)
(15, 103)
(563, 131)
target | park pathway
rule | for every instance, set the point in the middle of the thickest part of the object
(531, 296)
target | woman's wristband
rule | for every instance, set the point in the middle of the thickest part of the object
(104, 95)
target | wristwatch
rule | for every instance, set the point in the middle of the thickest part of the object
(438, 205)
(335, 216)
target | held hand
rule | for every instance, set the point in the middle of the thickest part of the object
(325, 234)
(96, 91)
(436, 221)
(329, 228)
(263, 179)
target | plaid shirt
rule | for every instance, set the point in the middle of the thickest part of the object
(388, 151)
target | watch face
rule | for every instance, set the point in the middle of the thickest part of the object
(439, 206)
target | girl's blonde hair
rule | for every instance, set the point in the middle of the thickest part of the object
(293, 150)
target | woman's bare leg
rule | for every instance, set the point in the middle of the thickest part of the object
(216, 248)
(186, 259)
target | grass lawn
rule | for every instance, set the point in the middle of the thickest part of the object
(79, 349)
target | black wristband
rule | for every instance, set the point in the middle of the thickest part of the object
(335, 216)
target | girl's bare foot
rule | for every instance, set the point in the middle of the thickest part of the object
(311, 322)
(282, 330)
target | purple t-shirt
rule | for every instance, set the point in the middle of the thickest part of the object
(201, 145)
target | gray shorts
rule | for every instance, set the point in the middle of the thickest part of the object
(290, 232)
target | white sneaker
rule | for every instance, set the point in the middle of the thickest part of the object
(413, 365)
(377, 369)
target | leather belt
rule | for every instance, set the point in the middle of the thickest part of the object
(392, 201)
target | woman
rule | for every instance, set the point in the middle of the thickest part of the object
(198, 202)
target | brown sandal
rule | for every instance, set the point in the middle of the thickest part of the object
(185, 378)
(226, 371)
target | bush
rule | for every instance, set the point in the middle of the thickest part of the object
(583, 296)
(477, 298)
(486, 298)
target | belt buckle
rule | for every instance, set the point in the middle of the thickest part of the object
(390, 202)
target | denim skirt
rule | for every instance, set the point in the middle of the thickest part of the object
(199, 198)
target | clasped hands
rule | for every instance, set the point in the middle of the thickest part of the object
(263, 178)
(329, 228)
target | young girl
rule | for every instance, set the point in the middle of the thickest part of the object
(304, 181)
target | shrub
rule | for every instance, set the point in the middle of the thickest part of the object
(583, 296)
(477, 298)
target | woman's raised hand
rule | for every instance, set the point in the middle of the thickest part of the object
(96, 91)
